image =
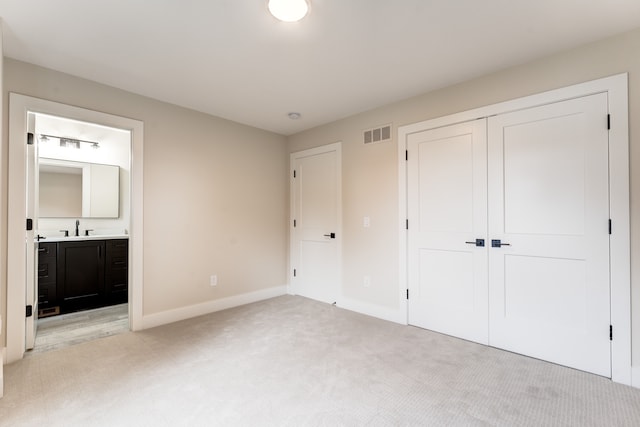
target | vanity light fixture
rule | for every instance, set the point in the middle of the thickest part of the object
(288, 10)
(69, 142)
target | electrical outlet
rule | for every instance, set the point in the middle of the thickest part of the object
(213, 281)
(366, 281)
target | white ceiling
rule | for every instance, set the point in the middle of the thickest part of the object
(231, 59)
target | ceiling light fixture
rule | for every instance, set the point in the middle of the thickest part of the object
(294, 116)
(288, 10)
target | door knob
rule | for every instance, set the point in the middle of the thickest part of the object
(497, 243)
(332, 235)
(478, 243)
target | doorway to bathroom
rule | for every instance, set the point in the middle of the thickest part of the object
(79, 189)
(76, 180)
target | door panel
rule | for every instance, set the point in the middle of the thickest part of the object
(550, 151)
(529, 281)
(447, 208)
(453, 267)
(31, 256)
(315, 203)
(548, 199)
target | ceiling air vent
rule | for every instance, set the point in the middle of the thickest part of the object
(378, 134)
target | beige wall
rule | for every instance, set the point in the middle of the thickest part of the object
(215, 192)
(60, 195)
(370, 173)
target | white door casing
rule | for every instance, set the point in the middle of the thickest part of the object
(316, 233)
(549, 201)
(447, 211)
(19, 107)
(616, 91)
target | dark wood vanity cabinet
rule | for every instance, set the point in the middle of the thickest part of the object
(82, 274)
(47, 291)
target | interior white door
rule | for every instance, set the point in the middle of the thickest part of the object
(31, 244)
(315, 223)
(447, 208)
(548, 201)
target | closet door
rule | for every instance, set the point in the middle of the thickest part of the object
(315, 214)
(447, 208)
(549, 209)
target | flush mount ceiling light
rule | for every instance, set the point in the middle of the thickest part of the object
(288, 10)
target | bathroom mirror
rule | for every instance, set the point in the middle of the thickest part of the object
(70, 189)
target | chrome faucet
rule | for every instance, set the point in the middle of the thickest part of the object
(77, 227)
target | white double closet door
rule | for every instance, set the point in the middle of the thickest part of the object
(509, 232)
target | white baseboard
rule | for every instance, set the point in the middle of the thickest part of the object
(372, 310)
(182, 313)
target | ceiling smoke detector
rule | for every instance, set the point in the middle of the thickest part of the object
(294, 116)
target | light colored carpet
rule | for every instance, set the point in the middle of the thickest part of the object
(290, 361)
(57, 332)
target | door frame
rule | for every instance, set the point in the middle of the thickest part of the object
(616, 87)
(337, 147)
(19, 107)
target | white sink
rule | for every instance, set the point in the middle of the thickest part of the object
(91, 237)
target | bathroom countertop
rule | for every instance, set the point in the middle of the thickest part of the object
(80, 238)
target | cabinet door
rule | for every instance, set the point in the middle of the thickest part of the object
(80, 274)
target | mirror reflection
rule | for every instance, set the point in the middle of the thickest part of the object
(69, 189)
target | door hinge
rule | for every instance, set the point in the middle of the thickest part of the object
(294, 223)
(407, 293)
(29, 138)
(294, 272)
(29, 310)
(608, 121)
(609, 226)
(406, 224)
(294, 173)
(29, 224)
(406, 155)
(610, 332)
